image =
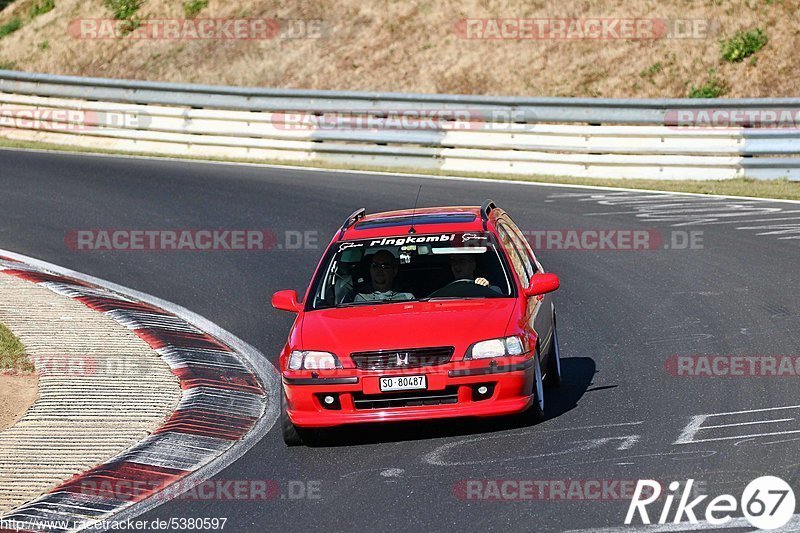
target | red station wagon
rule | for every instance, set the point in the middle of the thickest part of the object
(416, 315)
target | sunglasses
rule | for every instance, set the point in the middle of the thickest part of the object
(382, 266)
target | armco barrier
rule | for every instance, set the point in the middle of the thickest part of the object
(582, 137)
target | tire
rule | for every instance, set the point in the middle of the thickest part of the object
(553, 378)
(291, 435)
(535, 412)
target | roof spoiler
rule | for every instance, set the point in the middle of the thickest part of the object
(354, 217)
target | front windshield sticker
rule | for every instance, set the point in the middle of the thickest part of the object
(345, 245)
(400, 241)
(473, 237)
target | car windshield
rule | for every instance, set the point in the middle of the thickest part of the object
(412, 268)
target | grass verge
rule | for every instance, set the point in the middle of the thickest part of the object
(779, 189)
(13, 356)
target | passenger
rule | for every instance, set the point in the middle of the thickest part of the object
(382, 271)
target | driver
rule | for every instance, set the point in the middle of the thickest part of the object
(463, 267)
(382, 271)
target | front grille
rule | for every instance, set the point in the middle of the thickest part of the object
(416, 357)
(405, 399)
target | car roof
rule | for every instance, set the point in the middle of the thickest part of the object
(425, 219)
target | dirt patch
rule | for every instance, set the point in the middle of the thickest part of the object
(422, 46)
(17, 394)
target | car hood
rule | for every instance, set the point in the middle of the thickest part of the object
(456, 323)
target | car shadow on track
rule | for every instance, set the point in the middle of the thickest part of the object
(578, 373)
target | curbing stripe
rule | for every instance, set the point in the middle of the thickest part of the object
(222, 403)
(106, 304)
(205, 399)
(180, 357)
(137, 319)
(71, 290)
(196, 376)
(158, 338)
(207, 424)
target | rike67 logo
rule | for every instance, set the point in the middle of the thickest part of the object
(767, 503)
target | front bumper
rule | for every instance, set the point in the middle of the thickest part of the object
(358, 398)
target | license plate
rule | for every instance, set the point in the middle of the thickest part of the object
(403, 383)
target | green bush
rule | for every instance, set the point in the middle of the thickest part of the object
(742, 45)
(10, 27)
(193, 7)
(40, 8)
(123, 9)
(712, 88)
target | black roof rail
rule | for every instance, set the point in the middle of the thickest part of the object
(352, 219)
(486, 208)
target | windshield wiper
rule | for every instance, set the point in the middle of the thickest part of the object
(439, 298)
(374, 302)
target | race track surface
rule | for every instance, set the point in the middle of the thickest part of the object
(622, 315)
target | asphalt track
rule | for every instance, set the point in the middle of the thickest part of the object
(619, 416)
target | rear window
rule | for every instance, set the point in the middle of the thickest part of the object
(415, 267)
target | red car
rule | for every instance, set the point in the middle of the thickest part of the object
(417, 315)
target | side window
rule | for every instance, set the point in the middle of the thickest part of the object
(523, 243)
(518, 258)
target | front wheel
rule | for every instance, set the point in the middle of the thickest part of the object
(535, 412)
(553, 378)
(291, 436)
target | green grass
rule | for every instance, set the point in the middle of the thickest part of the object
(193, 7)
(781, 189)
(13, 355)
(652, 70)
(40, 8)
(123, 9)
(712, 88)
(7, 65)
(10, 27)
(742, 45)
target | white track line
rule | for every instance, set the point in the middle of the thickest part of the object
(397, 174)
(793, 525)
(256, 360)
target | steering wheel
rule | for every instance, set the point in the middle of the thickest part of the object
(464, 288)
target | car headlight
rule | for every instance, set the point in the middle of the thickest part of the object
(312, 360)
(496, 348)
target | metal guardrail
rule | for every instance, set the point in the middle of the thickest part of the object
(585, 137)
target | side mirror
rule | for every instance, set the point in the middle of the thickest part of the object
(286, 301)
(542, 284)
